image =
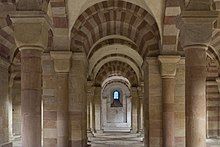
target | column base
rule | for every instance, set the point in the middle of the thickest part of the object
(90, 133)
(141, 133)
(134, 131)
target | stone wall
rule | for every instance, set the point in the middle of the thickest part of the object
(116, 118)
(16, 108)
(49, 102)
(213, 100)
(4, 104)
(213, 104)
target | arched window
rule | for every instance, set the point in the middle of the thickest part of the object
(116, 95)
(116, 99)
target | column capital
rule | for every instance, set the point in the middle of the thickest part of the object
(168, 65)
(134, 91)
(196, 27)
(61, 60)
(199, 5)
(30, 29)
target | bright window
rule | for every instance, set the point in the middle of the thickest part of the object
(116, 95)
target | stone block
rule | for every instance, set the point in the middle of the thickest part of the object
(50, 115)
(50, 133)
(50, 124)
(48, 92)
(50, 142)
(49, 81)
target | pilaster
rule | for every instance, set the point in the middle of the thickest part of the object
(62, 66)
(78, 100)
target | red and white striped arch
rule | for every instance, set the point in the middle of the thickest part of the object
(116, 18)
(116, 68)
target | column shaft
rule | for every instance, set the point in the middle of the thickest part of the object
(93, 116)
(97, 106)
(31, 97)
(141, 117)
(88, 115)
(195, 97)
(135, 106)
(168, 86)
(62, 110)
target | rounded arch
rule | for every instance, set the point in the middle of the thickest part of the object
(121, 59)
(116, 18)
(116, 78)
(111, 41)
(116, 68)
(115, 49)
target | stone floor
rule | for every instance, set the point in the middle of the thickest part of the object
(119, 140)
(213, 142)
(116, 140)
(107, 140)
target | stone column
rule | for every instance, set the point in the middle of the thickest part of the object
(92, 106)
(134, 110)
(62, 67)
(141, 122)
(30, 32)
(195, 96)
(4, 103)
(196, 31)
(88, 114)
(168, 73)
(77, 101)
(146, 105)
(97, 110)
(140, 109)
(90, 95)
(31, 96)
